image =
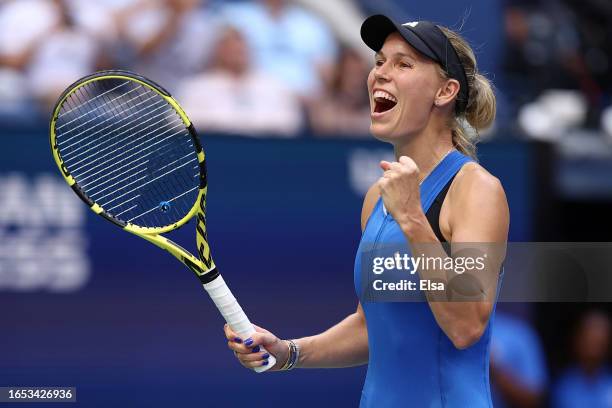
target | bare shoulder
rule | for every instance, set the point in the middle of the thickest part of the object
(478, 206)
(474, 181)
(369, 202)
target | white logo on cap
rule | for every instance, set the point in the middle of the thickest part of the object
(411, 24)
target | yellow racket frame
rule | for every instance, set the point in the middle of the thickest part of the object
(204, 267)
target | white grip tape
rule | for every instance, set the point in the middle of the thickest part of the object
(233, 314)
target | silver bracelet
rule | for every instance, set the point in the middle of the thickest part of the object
(294, 355)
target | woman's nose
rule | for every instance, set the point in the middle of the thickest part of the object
(381, 74)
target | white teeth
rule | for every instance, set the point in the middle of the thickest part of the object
(385, 95)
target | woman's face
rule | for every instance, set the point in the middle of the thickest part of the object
(402, 88)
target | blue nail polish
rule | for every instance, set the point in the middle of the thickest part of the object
(256, 349)
(265, 356)
(264, 363)
(237, 340)
(248, 341)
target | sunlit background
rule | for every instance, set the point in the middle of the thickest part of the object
(277, 91)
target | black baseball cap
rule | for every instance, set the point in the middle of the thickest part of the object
(427, 38)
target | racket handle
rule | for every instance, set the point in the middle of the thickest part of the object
(233, 314)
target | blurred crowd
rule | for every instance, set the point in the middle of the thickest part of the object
(557, 64)
(264, 67)
(285, 68)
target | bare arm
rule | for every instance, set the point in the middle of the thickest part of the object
(478, 214)
(343, 345)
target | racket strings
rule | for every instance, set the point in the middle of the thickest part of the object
(93, 99)
(82, 146)
(129, 150)
(101, 132)
(81, 124)
(96, 155)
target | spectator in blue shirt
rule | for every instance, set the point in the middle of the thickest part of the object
(518, 368)
(288, 42)
(588, 382)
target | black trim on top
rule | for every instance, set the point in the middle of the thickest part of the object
(433, 214)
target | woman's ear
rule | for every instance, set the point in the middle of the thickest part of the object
(447, 92)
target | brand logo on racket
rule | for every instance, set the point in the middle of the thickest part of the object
(164, 206)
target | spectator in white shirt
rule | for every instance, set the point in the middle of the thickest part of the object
(65, 54)
(23, 24)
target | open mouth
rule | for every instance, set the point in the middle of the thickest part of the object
(383, 101)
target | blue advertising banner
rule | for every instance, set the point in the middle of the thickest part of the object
(85, 305)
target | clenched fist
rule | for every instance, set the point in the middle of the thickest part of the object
(399, 189)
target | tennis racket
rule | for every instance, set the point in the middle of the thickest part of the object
(128, 150)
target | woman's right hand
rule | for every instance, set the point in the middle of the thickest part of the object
(247, 351)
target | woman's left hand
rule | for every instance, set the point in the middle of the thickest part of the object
(399, 189)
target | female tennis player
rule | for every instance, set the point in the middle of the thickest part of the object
(425, 91)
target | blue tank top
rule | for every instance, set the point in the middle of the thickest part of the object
(412, 363)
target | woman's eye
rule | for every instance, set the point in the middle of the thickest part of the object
(378, 63)
(405, 65)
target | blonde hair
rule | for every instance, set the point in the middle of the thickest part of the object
(481, 108)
